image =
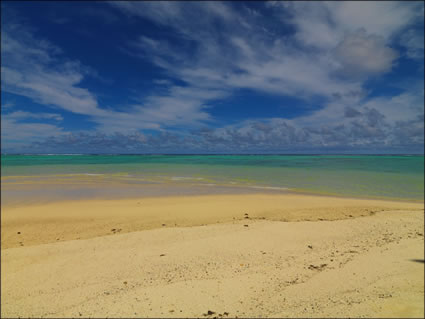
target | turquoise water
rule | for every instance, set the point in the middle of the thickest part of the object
(395, 177)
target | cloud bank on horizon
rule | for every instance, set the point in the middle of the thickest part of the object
(206, 77)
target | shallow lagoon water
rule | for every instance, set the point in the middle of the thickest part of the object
(365, 176)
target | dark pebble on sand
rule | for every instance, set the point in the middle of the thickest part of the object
(309, 246)
(245, 225)
(161, 255)
(18, 232)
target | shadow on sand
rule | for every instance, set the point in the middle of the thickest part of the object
(418, 260)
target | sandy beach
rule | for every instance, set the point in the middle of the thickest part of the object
(212, 159)
(249, 255)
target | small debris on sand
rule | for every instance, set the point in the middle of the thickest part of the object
(310, 246)
(161, 255)
(245, 225)
(317, 267)
(18, 232)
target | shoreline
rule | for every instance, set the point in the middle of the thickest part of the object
(173, 190)
(83, 219)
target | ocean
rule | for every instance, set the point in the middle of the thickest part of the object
(362, 176)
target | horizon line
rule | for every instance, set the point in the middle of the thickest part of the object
(229, 154)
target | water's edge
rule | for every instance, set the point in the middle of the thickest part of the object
(380, 177)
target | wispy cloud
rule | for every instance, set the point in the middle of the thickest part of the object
(329, 39)
(32, 67)
(35, 68)
(312, 51)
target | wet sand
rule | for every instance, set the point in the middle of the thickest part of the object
(252, 255)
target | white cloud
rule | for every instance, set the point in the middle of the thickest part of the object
(404, 107)
(17, 135)
(27, 70)
(367, 131)
(238, 60)
(228, 50)
(178, 107)
(324, 24)
(362, 54)
(381, 18)
(248, 57)
(35, 68)
(21, 115)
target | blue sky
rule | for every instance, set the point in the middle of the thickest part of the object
(212, 77)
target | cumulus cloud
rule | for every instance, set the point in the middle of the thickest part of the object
(324, 24)
(218, 50)
(362, 54)
(362, 127)
(368, 131)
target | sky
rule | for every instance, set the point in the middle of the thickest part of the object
(212, 77)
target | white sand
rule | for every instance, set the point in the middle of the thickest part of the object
(357, 267)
